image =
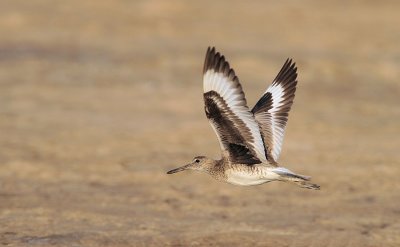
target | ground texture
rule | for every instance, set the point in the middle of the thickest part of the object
(99, 98)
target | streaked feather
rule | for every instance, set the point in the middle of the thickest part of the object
(226, 108)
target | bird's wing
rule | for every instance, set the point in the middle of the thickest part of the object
(272, 110)
(226, 109)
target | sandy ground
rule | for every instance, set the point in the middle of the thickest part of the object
(99, 98)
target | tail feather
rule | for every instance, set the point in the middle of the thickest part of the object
(300, 180)
(307, 185)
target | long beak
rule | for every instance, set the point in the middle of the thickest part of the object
(179, 169)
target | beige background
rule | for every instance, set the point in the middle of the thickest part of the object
(99, 98)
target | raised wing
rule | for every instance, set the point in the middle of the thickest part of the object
(226, 109)
(272, 110)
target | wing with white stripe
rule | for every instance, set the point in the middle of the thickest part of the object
(226, 108)
(272, 110)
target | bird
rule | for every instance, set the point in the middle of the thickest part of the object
(250, 140)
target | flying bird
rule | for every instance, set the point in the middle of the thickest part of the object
(250, 140)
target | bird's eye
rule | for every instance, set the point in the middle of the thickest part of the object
(197, 160)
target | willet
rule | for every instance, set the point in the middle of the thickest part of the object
(250, 140)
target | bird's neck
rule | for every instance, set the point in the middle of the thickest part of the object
(215, 166)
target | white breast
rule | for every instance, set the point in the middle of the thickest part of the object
(248, 177)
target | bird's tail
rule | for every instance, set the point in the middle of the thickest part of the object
(300, 180)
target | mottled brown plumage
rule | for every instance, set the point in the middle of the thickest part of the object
(250, 140)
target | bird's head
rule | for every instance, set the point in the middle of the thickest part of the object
(199, 163)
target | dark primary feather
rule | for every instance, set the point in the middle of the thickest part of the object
(265, 114)
(232, 131)
(225, 122)
(216, 62)
(287, 78)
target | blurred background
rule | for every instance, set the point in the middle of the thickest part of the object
(99, 98)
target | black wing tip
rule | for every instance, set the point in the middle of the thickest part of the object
(216, 61)
(212, 58)
(287, 79)
(287, 74)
